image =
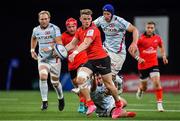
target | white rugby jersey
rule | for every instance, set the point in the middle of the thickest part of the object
(114, 33)
(101, 100)
(45, 38)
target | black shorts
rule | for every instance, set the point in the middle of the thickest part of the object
(145, 73)
(101, 66)
(73, 73)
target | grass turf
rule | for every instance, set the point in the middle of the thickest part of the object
(25, 106)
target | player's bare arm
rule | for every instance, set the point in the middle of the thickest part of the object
(163, 54)
(33, 47)
(72, 44)
(134, 30)
(84, 45)
(135, 54)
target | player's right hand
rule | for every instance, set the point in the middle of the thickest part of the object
(141, 60)
(34, 55)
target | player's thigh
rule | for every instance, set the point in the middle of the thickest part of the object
(55, 70)
(43, 69)
(83, 74)
(117, 61)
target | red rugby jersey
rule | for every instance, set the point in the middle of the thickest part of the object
(80, 58)
(95, 50)
(148, 47)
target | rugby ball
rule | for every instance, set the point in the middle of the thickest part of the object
(61, 51)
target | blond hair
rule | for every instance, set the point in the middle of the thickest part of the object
(44, 12)
(86, 11)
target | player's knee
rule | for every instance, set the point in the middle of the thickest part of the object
(55, 83)
(82, 77)
(43, 74)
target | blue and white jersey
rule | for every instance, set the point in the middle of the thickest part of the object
(114, 33)
(45, 38)
(101, 100)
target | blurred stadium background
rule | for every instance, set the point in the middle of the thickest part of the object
(19, 72)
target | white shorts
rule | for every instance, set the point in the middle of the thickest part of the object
(53, 66)
(117, 61)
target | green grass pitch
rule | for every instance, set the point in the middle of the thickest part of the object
(25, 106)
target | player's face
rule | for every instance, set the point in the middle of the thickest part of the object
(71, 28)
(150, 28)
(44, 20)
(107, 15)
(86, 20)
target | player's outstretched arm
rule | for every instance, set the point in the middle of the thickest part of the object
(83, 46)
(33, 47)
(72, 44)
(135, 32)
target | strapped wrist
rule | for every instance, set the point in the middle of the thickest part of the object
(75, 52)
(137, 57)
(32, 50)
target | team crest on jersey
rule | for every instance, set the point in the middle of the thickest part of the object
(111, 25)
(90, 32)
(47, 32)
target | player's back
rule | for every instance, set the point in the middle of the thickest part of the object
(101, 99)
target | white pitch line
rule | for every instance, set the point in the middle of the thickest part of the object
(9, 99)
(151, 110)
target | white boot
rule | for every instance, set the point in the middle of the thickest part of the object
(160, 107)
(139, 94)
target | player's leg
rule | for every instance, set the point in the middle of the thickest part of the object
(83, 76)
(55, 73)
(43, 74)
(155, 77)
(76, 90)
(105, 71)
(117, 61)
(144, 77)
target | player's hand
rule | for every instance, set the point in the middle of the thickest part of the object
(72, 55)
(132, 48)
(165, 60)
(46, 49)
(141, 60)
(34, 55)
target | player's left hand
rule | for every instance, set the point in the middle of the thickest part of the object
(71, 57)
(132, 48)
(165, 60)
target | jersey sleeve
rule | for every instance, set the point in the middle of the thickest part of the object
(97, 21)
(33, 32)
(91, 33)
(123, 23)
(57, 31)
(63, 39)
(160, 41)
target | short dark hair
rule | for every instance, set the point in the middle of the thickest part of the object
(86, 11)
(151, 22)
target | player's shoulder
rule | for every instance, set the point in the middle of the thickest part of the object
(36, 28)
(51, 25)
(100, 18)
(118, 18)
(157, 36)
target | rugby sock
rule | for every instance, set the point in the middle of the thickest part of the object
(159, 95)
(81, 98)
(89, 103)
(59, 91)
(118, 104)
(43, 89)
